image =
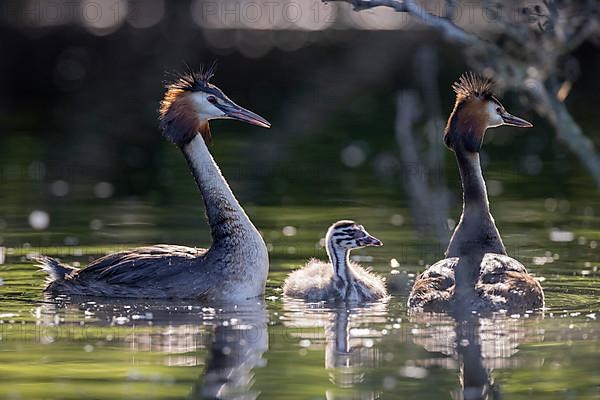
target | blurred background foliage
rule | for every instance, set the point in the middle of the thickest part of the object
(81, 83)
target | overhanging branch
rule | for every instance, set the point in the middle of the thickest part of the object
(444, 25)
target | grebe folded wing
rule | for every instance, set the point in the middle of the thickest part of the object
(140, 264)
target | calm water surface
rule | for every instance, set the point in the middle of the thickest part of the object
(54, 348)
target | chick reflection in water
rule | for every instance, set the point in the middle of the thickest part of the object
(350, 347)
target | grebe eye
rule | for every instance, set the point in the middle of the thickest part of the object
(498, 110)
(211, 99)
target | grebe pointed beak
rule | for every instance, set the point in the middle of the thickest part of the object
(234, 111)
(370, 240)
(512, 120)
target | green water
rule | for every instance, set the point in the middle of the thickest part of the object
(63, 349)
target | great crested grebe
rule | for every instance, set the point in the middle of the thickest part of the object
(477, 274)
(236, 265)
(340, 279)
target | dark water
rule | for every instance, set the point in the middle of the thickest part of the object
(68, 349)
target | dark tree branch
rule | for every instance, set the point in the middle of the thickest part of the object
(567, 130)
(444, 25)
(423, 157)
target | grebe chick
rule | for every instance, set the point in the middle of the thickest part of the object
(477, 273)
(234, 268)
(340, 279)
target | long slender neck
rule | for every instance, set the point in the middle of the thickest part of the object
(225, 215)
(340, 260)
(476, 233)
(475, 199)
